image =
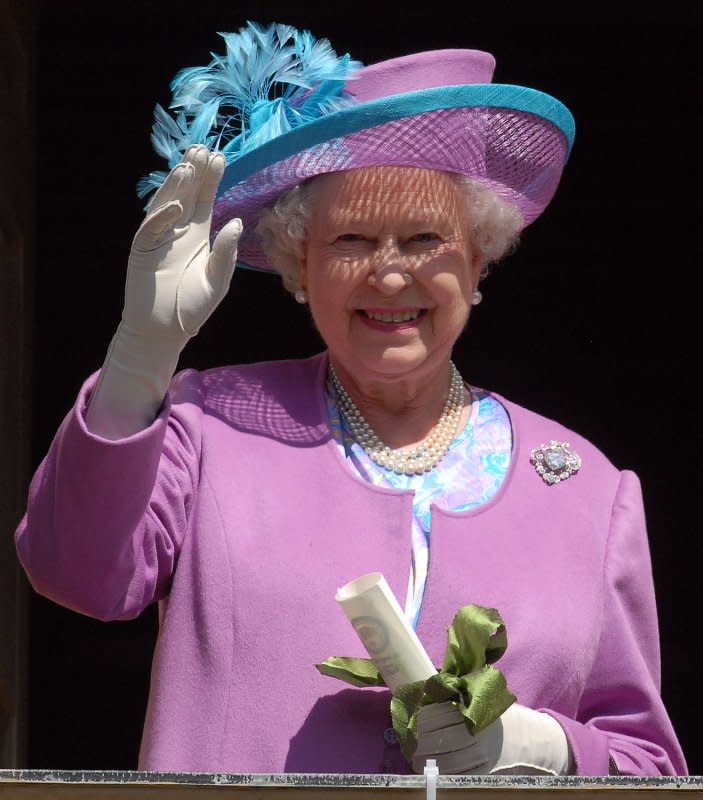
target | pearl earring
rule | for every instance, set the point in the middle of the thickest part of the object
(476, 297)
(301, 296)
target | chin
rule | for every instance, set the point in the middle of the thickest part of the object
(393, 365)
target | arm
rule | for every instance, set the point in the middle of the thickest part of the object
(621, 725)
(174, 282)
(109, 504)
(105, 519)
(621, 714)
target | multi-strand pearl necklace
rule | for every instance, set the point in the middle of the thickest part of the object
(405, 462)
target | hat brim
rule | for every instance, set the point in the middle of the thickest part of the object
(512, 138)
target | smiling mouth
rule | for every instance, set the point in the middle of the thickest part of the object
(393, 316)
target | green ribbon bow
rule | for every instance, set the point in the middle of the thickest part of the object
(476, 638)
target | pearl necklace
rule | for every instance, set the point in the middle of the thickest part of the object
(420, 459)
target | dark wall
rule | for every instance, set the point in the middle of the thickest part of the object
(592, 321)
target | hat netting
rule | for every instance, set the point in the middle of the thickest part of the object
(517, 154)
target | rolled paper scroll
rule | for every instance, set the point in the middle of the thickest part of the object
(384, 630)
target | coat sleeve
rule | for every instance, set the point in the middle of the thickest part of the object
(105, 519)
(621, 715)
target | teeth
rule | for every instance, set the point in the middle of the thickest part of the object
(392, 316)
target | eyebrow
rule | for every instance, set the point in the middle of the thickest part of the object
(431, 219)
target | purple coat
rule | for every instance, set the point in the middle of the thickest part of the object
(236, 510)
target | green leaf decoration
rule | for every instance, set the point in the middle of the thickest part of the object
(484, 696)
(475, 640)
(476, 637)
(442, 686)
(405, 705)
(356, 671)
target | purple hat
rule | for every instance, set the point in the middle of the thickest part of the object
(282, 107)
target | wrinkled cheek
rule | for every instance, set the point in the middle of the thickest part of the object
(453, 321)
(348, 271)
(334, 324)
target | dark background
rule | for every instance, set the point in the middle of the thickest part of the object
(593, 321)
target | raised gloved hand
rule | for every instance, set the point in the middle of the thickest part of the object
(520, 742)
(174, 283)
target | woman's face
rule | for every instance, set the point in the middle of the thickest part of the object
(371, 228)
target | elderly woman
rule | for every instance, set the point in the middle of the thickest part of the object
(239, 498)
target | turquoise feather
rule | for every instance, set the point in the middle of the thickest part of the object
(268, 82)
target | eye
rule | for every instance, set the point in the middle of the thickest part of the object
(425, 236)
(350, 237)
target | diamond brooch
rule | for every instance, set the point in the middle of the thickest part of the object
(555, 462)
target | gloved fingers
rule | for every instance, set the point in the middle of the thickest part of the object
(435, 716)
(442, 734)
(206, 279)
(198, 157)
(211, 177)
(180, 189)
(445, 740)
(157, 227)
(464, 762)
(458, 762)
(222, 259)
(194, 294)
(173, 186)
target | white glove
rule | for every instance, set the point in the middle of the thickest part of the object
(520, 742)
(173, 285)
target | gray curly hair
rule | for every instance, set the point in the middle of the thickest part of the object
(283, 228)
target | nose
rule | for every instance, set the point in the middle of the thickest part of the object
(390, 278)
